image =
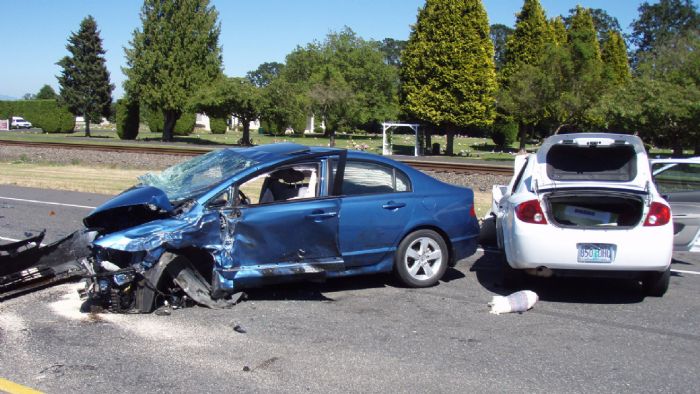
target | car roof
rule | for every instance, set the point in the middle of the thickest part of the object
(281, 151)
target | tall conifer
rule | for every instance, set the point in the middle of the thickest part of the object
(448, 74)
(84, 79)
(527, 43)
(616, 64)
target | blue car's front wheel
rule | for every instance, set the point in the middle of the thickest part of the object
(421, 259)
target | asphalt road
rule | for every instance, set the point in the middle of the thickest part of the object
(362, 334)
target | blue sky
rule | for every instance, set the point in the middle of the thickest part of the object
(34, 32)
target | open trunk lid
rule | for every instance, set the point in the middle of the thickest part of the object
(603, 161)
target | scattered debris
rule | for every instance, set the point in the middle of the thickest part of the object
(246, 368)
(238, 328)
(519, 302)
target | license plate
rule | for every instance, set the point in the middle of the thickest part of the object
(596, 253)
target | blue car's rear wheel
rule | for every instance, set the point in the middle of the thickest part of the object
(421, 259)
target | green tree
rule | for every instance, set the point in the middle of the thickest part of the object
(603, 22)
(558, 31)
(284, 105)
(346, 80)
(265, 74)
(586, 82)
(175, 53)
(614, 55)
(46, 93)
(128, 118)
(231, 96)
(662, 22)
(84, 79)
(448, 73)
(527, 43)
(392, 49)
(663, 102)
(525, 47)
(499, 36)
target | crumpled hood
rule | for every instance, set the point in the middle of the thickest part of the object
(138, 205)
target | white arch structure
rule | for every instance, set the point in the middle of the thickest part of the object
(386, 143)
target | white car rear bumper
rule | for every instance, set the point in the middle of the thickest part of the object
(637, 249)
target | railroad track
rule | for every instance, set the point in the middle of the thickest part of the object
(425, 165)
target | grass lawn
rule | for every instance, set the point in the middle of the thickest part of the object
(403, 143)
(465, 147)
(69, 177)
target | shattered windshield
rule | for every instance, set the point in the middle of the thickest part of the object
(195, 176)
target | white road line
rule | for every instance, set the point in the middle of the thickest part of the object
(686, 272)
(47, 202)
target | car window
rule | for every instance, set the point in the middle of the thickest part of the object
(293, 182)
(676, 177)
(373, 178)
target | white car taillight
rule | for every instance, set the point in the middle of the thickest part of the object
(530, 212)
(659, 214)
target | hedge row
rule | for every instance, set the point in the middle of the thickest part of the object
(217, 125)
(47, 115)
(127, 117)
(184, 125)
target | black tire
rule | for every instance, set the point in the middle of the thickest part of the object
(655, 284)
(421, 259)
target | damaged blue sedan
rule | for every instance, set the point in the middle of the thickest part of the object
(231, 219)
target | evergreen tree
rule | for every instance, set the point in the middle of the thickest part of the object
(583, 43)
(602, 21)
(614, 54)
(84, 80)
(558, 31)
(46, 93)
(527, 43)
(499, 36)
(526, 46)
(586, 83)
(448, 73)
(175, 53)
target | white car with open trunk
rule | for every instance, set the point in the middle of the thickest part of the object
(585, 205)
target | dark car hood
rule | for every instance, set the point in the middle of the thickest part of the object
(135, 206)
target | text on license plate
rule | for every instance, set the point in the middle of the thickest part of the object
(596, 253)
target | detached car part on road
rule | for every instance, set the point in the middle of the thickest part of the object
(237, 218)
(585, 204)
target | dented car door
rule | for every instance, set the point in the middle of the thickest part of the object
(266, 241)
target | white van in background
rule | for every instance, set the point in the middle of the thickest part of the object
(18, 122)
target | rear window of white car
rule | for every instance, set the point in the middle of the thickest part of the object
(617, 163)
